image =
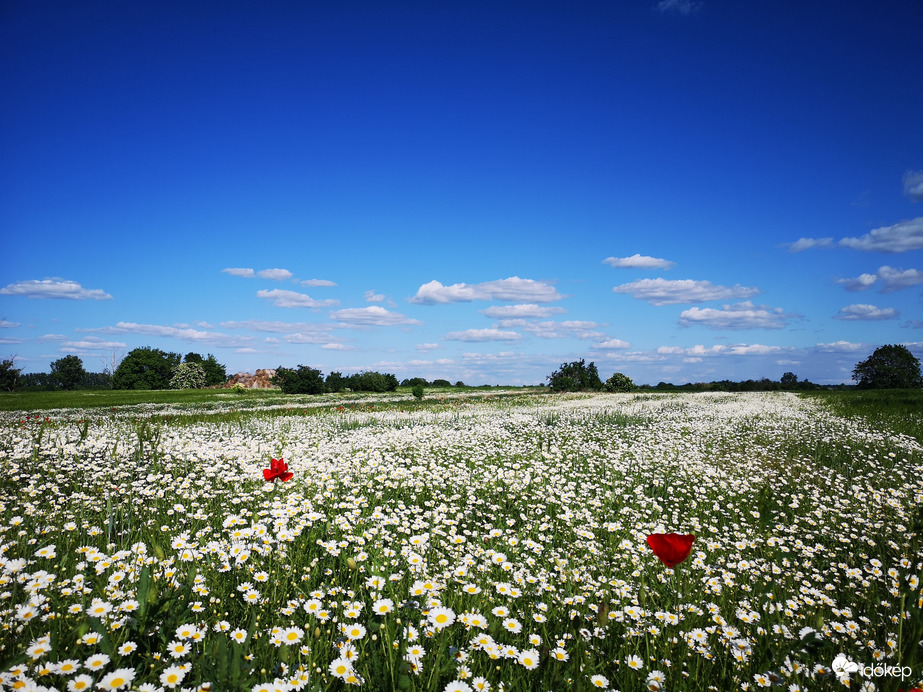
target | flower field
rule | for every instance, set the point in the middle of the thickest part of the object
(472, 543)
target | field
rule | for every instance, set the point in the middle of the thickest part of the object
(489, 540)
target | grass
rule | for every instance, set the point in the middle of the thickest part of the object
(897, 410)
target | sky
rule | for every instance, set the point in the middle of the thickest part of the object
(677, 190)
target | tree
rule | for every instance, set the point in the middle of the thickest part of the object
(889, 367)
(302, 380)
(68, 372)
(336, 382)
(575, 377)
(9, 375)
(789, 380)
(188, 375)
(619, 382)
(145, 368)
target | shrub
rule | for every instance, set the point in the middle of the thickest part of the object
(188, 376)
(302, 380)
(619, 383)
(417, 391)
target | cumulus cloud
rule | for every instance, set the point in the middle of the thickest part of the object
(275, 274)
(337, 347)
(808, 244)
(90, 344)
(862, 282)
(865, 312)
(743, 315)
(316, 282)
(307, 338)
(8, 325)
(523, 310)
(512, 289)
(901, 237)
(372, 316)
(239, 271)
(275, 326)
(839, 347)
(664, 292)
(913, 185)
(613, 344)
(426, 347)
(54, 288)
(292, 299)
(639, 262)
(891, 279)
(372, 297)
(482, 335)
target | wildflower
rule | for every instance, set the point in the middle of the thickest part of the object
(458, 686)
(172, 676)
(353, 631)
(512, 625)
(239, 636)
(599, 681)
(277, 469)
(117, 679)
(381, 607)
(80, 683)
(127, 648)
(671, 548)
(481, 684)
(340, 667)
(441, 617)
(634, 662)
(528, 659)
(96, 662)
(559, 654)
(292, 635)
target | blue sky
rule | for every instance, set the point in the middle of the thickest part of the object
(478, 191)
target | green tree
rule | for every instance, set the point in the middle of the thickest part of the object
(619, 383)
(373, 382)
(145, 368)
(336, 382)
(9, 375)
(417, 391)
(188, 376)
(789, 380)
(575, 377)
(68, 372)
(215, 372)
(889, 367)
(301, 380)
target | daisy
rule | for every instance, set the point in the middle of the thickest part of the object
(634, 663)
(80, 683)
(441, 617)
(96, 662)
(172, 676)
(528, 659)
(117, 679)
(599, 681)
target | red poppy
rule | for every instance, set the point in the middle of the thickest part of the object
(671, 548)
(277, 469)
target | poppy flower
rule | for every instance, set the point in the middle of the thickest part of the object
(671, 548)
(277, 469)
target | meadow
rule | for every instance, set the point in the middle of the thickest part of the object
(487, 541)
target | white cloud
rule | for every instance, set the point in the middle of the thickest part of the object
(372, 297)
(307, 338)
(862, 282)
(743, 315)
(670, 350)
(8, 325)
(276, 326)
(373, 315)
(613, 344)
(239, 271)
(482, 335)
(840, 347)
(512, 289)
(808, 244)
(427, 347)
(181, 333)
(664, 292)
(54, 288)
(91, 344)
(901, 237)
(896, 279)
(317, 282)
(639, 262)
(913, 185)
(11, 340)
(522, 310)
(865, 312)
(337, 347)
(292, 299)
(275, 274)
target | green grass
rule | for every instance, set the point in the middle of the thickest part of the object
(899, 410)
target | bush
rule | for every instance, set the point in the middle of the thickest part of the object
(303, 380)
(575, 377)
(188, 376)
(441, 383)
(372, 382)
(619, 383)
(417, 391)
(145, 368)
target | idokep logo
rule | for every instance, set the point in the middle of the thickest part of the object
(842, 666)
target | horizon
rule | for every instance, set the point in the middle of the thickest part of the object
(679, 191)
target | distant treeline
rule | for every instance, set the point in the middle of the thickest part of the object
(762, 385)
(307, 380)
